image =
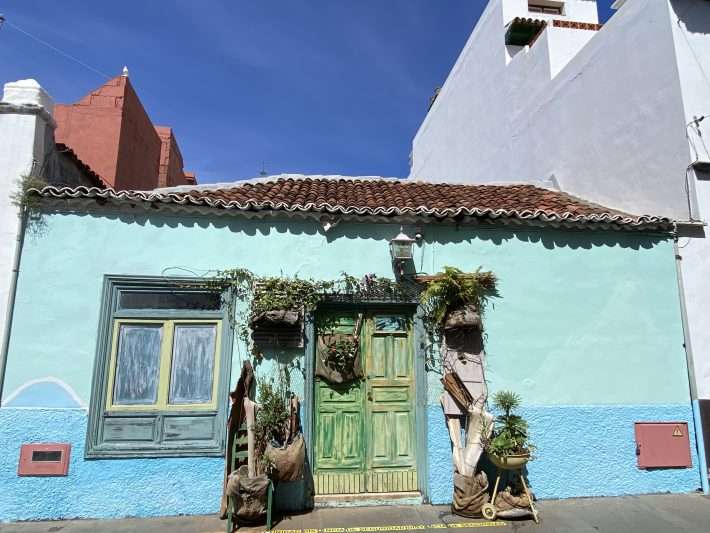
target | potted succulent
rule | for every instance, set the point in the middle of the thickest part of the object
(509, 446)
(455, 299)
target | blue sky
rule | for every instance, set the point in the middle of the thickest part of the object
(326, 86)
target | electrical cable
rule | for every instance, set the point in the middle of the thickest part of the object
(55, 49)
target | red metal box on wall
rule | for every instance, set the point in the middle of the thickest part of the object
(662, 445)
(44, 460)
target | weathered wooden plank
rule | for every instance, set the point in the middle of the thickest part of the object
(129, 429)
(177, 428)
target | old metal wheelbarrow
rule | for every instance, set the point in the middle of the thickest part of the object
(508, 463)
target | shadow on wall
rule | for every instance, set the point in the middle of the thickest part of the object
(445, 233)
(441, 233)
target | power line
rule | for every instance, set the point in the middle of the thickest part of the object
(52, 47)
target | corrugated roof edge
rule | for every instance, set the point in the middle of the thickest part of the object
(613, 219)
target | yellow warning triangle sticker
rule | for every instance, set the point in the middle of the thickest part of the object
(677, 432)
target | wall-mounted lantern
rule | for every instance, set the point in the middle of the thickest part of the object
(401, 250)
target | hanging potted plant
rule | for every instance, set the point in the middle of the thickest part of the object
(509, 446)
(338, 352)
(280, 301)
(455, 299)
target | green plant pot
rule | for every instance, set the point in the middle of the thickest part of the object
(509, 462)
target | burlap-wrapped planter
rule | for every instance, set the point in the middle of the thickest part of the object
(288, 461)
(250, 495)
(470, 494)
(335, 374)
(466, 317)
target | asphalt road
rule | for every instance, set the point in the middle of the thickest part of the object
(630, 514)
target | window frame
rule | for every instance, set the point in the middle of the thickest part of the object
(159, 415)
(547, 7)
(167, 347)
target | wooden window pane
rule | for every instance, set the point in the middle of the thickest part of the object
(138, 364)
(193, 364)
(390, 323)
(201, 301)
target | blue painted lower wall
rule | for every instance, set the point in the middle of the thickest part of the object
(98, 488)
(581, 451)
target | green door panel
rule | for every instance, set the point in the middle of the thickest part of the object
(364, 432)
(390, 393)
(339, 431)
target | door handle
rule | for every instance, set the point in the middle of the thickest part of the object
(369, 395)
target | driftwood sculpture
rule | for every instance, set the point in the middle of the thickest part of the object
(464, 402)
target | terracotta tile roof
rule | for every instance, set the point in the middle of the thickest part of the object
(557, 23)
(381, 197)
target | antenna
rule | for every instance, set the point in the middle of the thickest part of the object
(263, 172)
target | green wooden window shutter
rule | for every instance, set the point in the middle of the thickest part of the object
(162, 370)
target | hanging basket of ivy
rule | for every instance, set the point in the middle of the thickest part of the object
(281, 301)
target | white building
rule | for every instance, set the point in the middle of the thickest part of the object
(542, 94)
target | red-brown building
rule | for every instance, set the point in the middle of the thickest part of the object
(110, 131)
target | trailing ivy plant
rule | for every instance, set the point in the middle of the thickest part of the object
(510, 434)
(452, 289)
(288, 294)
(29, 203)
(247, 296)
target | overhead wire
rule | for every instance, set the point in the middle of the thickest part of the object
(54, 48)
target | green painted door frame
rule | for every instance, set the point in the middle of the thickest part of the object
(418, 437)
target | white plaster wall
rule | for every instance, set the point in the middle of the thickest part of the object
(458, 122)
(695, 268)
(690, 23)
(577, 10)
(564, 44)
(24, 137)
(16, 154)
(609, 126)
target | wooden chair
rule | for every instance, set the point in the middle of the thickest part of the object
(241, 456)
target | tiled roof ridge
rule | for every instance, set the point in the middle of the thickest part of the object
(590, 204)
(388, 180)
(276, 178)
(385, 198)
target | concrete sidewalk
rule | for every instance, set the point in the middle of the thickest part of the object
(631, 514)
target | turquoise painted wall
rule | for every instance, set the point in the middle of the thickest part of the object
(583, 318)
(587, 329)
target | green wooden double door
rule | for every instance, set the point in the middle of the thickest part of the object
(365, 430)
